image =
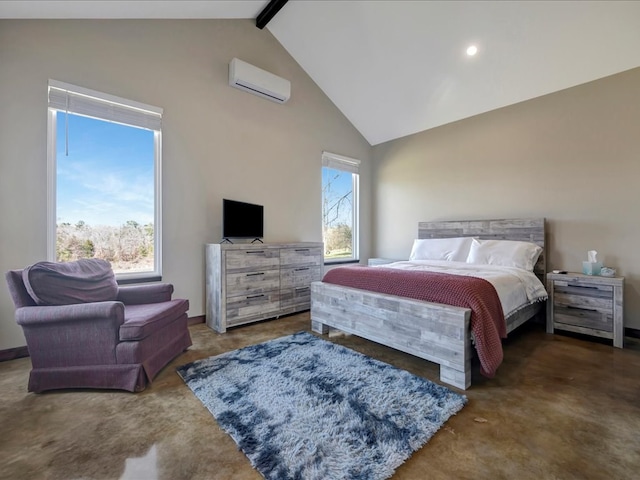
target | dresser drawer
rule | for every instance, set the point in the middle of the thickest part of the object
(304, 256)
(299, 298)
(245, 283)
(244, 308)
(299, 276)
(247, 260)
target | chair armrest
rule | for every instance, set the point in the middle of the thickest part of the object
(150, 293)
(72, 335)
(80, 312)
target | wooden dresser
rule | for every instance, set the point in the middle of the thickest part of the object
(587, 304)
(250, 282)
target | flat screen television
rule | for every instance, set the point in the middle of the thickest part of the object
(242, 220)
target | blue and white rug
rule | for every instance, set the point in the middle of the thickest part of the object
(304, 408)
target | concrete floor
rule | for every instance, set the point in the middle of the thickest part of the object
(560, 407)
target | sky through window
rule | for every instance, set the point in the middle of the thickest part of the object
(107, 178)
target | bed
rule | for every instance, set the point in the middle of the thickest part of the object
(434, 331)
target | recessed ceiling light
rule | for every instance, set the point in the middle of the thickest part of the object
(472, 50)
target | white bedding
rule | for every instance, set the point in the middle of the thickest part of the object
(516, 287)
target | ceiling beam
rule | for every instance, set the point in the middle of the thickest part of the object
(269, 12)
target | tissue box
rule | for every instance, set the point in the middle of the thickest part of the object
(591, 268)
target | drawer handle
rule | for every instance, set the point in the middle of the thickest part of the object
(254, 274)
(301, 269)
(583, 286)
(255, 252)
(302, 289)
(255, 296)
(570, 307)
(302, 249)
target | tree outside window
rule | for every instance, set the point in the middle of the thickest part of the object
(339, 208)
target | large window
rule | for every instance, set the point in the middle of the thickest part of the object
(339, 208)
(104, 157)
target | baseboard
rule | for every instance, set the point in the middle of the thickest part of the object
(632, 332)
(13, 353)
(20, 352)
(196, 320)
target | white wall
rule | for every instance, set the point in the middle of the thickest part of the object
(572, 157)
(217, 141)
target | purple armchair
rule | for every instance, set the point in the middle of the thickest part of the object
(120, 343)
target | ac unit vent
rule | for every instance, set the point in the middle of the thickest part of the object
(254, 80)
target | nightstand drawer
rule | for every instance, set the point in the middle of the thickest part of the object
(588, 306)
(582, 317)
(583, 290)
(590, 297)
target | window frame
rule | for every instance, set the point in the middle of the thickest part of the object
(124, 105)
(348, 165)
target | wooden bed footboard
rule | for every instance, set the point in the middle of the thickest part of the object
(435, 332)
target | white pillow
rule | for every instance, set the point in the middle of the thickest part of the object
(507, 253)
(452, 249)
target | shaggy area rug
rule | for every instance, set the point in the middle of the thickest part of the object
(301, 407)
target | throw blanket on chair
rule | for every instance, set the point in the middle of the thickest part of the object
(487, 318)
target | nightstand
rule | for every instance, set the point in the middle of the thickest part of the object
(587, 304)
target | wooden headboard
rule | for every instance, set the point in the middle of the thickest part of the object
(523, 229)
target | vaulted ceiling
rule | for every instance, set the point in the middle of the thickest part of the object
(399, 67)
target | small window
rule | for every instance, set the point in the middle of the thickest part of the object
(104, 156)
(340, 208)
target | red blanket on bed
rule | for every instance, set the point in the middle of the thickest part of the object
(477, 294)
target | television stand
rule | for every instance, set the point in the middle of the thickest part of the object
(256, 240)
(225, 240)
(247, 283)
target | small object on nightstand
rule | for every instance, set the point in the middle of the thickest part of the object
(591, 266)
(563, 272)
(608, 272)
(587, 304)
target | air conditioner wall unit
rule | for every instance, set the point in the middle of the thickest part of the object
(254, 80)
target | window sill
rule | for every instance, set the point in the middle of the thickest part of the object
(139, 278)
(341, 262)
